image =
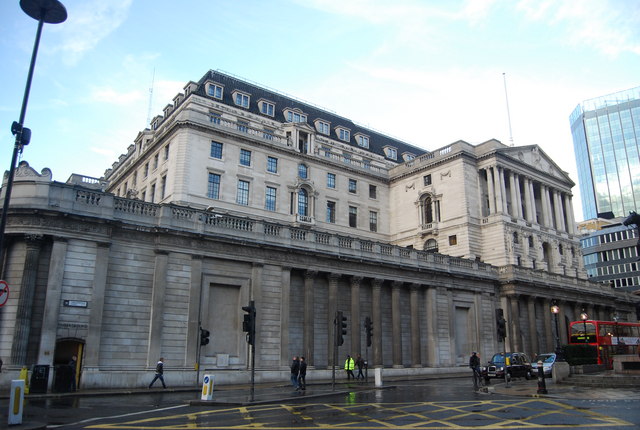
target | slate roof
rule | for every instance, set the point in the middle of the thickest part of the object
(230, 83)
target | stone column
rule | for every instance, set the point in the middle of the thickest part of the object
(490, 190)
(285, 317)
(52, 303)
(309, 317)
(431, 338)
(562, 326)
(255, 294)
(498, 189)
(396, 324)
(544, 199)
(332, 308)
(533, 331)
(415, 326)
(376, 290)
(519, 197)
(157, 307)
(556, 210)
(514, 323)
(503, 191)
(356, 343)
(22, 328)
(514, 195)
(571, 222)
(194, 316)
(94, 335)
(549, 329)
(532, 199)
(527, 200)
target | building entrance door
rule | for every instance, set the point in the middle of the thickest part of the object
(67, 370)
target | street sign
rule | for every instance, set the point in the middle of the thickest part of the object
(4, 292)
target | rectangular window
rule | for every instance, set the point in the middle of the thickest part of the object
(453, 240)
(163, 187)
(363, 141)
(331, 180)
(144, 196)
(166, 152)
(242, 198)
(213, 187)
(353, 216)
(216, 150)
(146, 170)
(214, 117)
(215, 91)
(331, 212)
(344, 134)
(245, 157)
(242, 100)
(267, 108)
(322, 127)
(272, 164)
(373, 192)
(243, 126)
(153, 193)
(353, 186)
(373, 221)
(296, 117)
(427, 179)
(155, 161)
(270, 199)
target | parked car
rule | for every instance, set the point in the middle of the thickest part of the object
(547, 363)
(518, 366)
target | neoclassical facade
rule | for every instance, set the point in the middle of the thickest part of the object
(238, 193)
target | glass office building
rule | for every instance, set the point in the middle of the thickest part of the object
(606, 136)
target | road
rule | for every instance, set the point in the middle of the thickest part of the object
(425, 404)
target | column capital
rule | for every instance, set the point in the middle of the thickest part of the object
(310, 274)
(397, 284)
(377, 283)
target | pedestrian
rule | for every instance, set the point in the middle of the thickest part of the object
(295, 371)
(159, 373)
(0, 365)
(474, 364)
(349, 365)
(360, 365)
(302, 375)
(72, 368)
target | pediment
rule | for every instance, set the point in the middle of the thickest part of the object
(536, 158)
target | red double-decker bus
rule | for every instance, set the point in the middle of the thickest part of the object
(610, 338)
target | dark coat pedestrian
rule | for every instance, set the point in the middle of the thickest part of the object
(159, 373)
(295, 371)
(73, 363)
(360, 366)
(302, 375)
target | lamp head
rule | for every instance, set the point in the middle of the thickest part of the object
(49, 11)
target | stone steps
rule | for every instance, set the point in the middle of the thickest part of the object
(604, 381)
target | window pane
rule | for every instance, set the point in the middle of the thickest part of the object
(216, 150)
(272, 165)
(243, 193)
(303, 202)
(245, 157)
(353, 216)
(270, 199)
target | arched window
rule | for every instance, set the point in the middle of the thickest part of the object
(303, 202)
(515, 237)
(427, 207)
(431, 245)
(430, 209)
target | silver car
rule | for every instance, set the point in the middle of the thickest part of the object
(547, 363)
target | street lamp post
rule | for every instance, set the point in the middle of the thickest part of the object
(555, 309)
(584, 318)
(51, 12)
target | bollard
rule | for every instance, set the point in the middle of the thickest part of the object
(542, 386)
(207, 387)
(16, 401)
(378, 375)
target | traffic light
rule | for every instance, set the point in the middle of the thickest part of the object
(368, 325)
(249, 323)
(501, 324)
(204, 336)
(341, 328)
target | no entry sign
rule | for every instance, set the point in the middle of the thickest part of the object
(4, 292)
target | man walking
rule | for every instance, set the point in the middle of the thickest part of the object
(302, 375)
(159, 373)
(295, 371)
(349, 365)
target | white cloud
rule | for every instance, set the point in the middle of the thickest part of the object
(112, 96)
(87, 24)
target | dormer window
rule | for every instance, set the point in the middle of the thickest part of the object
(266, 107)
(343, 134)
(215, 91)
(391, 152)
(408, 156)
(241, 99)
(295, 115)
(322, 127)
(363, 141)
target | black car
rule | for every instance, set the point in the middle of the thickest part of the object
(518, 365)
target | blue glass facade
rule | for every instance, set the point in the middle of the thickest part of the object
(606, 136)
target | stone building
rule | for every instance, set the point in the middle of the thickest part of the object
(240, 193)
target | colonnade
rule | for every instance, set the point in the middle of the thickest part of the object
(522, 197)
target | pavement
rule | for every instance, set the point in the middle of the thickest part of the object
(279, 393)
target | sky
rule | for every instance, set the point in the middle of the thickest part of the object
(427, 72)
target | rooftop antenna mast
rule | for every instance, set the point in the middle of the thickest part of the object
(153, 79)
(504, 78)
